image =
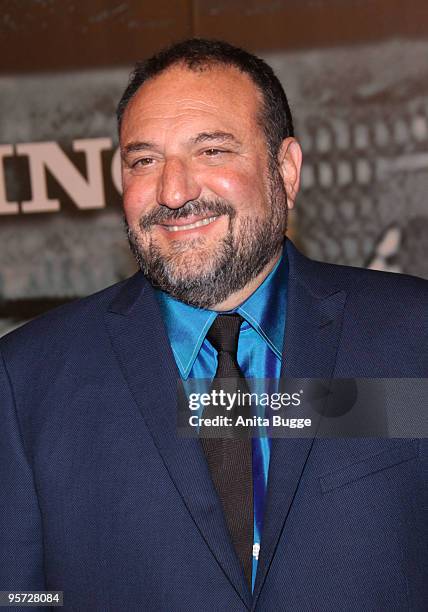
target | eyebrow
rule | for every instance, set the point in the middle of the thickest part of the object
(217, 136)
(133, 147)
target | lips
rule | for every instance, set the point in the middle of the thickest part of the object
(189, 226)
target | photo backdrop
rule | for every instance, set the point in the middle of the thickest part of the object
(355, 72)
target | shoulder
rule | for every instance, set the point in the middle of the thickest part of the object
(372, 285)
(380, 285)
(58, 328)
(385, 315)
(387, 303)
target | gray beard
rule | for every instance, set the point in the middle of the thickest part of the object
(238, 258)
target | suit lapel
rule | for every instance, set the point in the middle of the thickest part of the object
(141, 345)
(314, 318)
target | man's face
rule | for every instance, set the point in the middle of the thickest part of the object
(204, 204)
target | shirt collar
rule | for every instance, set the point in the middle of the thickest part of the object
(264, 310)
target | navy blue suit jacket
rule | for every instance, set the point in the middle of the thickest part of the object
(100, 499)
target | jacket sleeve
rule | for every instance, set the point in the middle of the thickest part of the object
(21, 542)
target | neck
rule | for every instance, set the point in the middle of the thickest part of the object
(237, 298)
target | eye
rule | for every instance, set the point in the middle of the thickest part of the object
(213, 152)
(143, 161)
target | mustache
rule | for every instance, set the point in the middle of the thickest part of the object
(213, 208)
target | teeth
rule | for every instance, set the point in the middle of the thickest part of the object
(177, 228)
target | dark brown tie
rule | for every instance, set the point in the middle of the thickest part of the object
(230, 459)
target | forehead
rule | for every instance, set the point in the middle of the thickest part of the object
(216, 97)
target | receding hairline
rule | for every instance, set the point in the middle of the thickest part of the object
(201, 66)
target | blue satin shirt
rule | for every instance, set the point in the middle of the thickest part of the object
(259, 356)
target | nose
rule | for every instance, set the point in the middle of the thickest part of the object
(176, 184)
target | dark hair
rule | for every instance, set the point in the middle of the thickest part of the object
(197, 53)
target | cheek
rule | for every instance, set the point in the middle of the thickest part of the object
(138, 198)
(242, 189)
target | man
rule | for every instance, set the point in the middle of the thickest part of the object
(101, 498)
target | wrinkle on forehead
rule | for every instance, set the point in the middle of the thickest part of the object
(189, 101)
(181, 113)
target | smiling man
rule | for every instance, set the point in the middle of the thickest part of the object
(193, 143)
(99, 496)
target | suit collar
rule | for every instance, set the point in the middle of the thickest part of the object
(316, 277)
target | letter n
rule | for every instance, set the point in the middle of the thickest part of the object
(44, 156)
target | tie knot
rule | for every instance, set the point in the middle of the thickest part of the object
(224, 333)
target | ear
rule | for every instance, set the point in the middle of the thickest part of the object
(290, 163)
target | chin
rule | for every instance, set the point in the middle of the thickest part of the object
(191, 263)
